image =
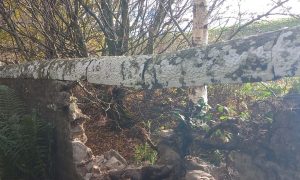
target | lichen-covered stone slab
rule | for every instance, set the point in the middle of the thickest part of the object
(263, 57)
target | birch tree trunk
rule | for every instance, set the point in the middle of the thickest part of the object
(263, 57)
(200, 39)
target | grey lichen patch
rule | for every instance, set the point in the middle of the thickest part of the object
(27, 69)
(237, 73)
(10, 71)
(210, 73)
(175, 60)
(285, 53)
(250, 70)
(241, 46)
(255, 63)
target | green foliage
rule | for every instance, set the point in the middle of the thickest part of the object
(147, 125)
(202, 109)
(144, 153)
(236, 99)
(222, 112)
(264, 90)
(25, 141)
(198, 117)
(223, 135)
(202, 116)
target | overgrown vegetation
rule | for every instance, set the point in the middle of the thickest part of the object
(230, 105)
(143, 153)
(26, 141)
(45, 30)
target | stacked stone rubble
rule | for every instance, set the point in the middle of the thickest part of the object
(87, 165)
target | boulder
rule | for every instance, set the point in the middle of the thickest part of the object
(81, 153)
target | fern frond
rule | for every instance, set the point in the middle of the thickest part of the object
(25, 140)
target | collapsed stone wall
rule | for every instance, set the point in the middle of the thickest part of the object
(278, 159)
(52, 101)
(55, 103)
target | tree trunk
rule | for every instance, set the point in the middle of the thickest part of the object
(263, 57)
(200, 38)
(78, 35)
(160, 14)
(110, 40)
(123, 32)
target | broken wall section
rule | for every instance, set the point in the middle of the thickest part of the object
(56, 105)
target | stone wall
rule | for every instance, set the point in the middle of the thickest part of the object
(278, 159)
(52, 100)
(55, 103)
